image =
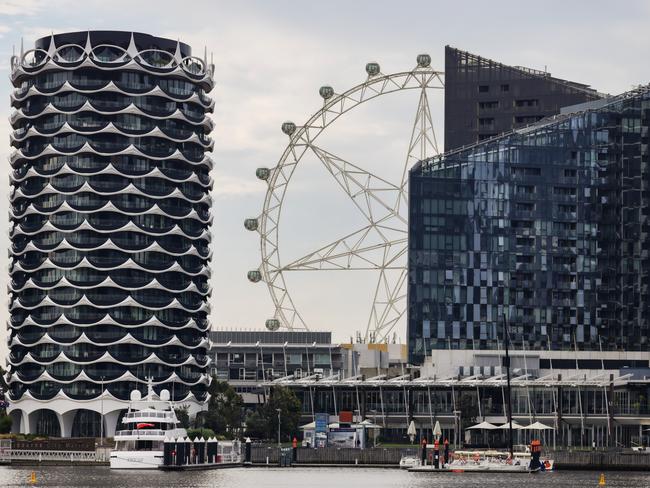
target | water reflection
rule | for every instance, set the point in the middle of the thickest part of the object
(91, 477)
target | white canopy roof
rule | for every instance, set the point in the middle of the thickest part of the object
(538, 426)
(366, 424)
(484, 426)
(515, 426)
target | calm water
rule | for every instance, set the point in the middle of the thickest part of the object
(71, 477)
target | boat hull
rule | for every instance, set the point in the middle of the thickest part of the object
(471, 469)
(136, 459)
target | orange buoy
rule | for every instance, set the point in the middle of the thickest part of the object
(32, 478)
(601, 481)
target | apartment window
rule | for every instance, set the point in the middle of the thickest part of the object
(488, 105)
(482, 137)
(483, 88)
(519, 171)
(564, 226)
(566, 243)
(521, 224)
(570, 173)
(561, 190)
(525, 189)
(564, 259)
(527, 102)
(525, 206)
(528, 119)
(566, 208)
(525, 241)
(505, 88)
(486, 122)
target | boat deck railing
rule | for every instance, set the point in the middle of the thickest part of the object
(141, 433)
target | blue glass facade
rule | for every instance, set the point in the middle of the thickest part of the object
(547, 225)
(110, 218)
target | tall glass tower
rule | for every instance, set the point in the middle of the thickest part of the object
(546, 225)
(110, 217)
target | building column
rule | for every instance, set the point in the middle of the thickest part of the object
(66, 421)
(30, 425)
(111, 420)
(20, 421)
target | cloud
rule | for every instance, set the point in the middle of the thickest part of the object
(226, 185)
(21, 7)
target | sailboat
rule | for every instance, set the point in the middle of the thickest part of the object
(498, 461)
(503, 462)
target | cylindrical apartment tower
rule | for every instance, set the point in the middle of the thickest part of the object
(110, 214)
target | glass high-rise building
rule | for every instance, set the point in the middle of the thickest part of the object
(547, 225)
(110, 217)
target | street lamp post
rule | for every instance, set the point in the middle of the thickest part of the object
(279, 419)
(101, 421)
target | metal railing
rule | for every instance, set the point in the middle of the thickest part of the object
(141, 433)
(142, 414)
(39, 456)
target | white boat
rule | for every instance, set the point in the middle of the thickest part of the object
(148, 422)
(409, 461)
(495, 461)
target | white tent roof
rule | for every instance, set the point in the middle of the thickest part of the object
(366, 424)
(483, 426)
(515, 426)
(538, 426)
(312, 426)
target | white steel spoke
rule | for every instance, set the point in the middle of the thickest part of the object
(423, 144)
(364, 249)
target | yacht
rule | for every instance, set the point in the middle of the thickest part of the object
(148, 422)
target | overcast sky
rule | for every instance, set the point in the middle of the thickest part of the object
(272, 56)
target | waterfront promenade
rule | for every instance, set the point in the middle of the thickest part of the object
(389, 457)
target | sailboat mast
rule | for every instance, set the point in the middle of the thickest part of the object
(506, 341)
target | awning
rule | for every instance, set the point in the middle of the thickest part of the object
(538, 426)
(367, 424)
(483, 426)
(515, 426)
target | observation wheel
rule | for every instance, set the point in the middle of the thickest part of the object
(380, 244)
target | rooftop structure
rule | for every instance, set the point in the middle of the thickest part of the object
(484, 98)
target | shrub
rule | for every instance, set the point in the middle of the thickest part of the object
(198, 433)
(5, 424)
